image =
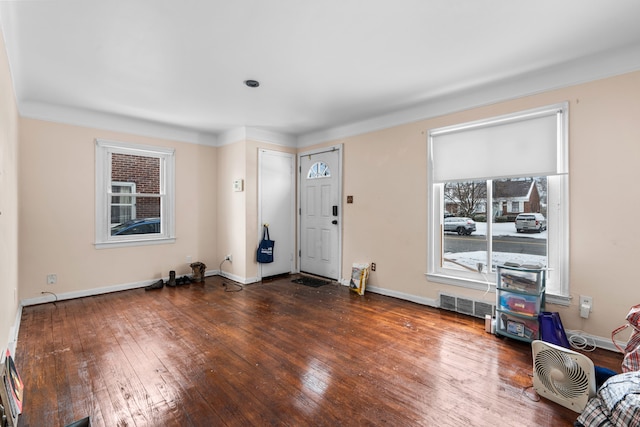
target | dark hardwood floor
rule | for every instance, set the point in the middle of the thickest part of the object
(275, 353)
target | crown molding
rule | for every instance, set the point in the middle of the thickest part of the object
(570, 73)
(582, 70)
(112, 122)
(244, 133)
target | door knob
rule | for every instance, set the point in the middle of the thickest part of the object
(335, 221)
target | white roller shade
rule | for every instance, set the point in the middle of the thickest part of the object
(529, 143)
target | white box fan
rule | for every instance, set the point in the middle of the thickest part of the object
(562, 375)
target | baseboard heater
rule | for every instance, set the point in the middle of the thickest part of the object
(466, 305)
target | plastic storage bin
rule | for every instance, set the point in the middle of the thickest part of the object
(519, 301)
(518, 326)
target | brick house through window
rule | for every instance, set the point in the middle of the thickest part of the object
(516, 196)
(139, 175)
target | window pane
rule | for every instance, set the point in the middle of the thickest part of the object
(147, 207)
(143, 171)
(319, 170)
(464, 231)
(520, 236)
(145, 221)
(137, 226)
(135, 214)
(120, 214)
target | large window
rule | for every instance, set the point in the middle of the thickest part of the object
(482, 176)
(134, 194)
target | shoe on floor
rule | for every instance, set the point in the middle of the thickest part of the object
(180, 281)
(172, 279)
(157, 285)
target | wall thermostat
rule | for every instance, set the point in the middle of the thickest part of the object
(238, 185)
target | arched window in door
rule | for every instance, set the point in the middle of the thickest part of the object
(319, 170)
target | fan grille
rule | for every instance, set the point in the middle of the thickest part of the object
(561, 373)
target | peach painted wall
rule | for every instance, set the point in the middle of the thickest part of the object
(232, 211)
(57, 212)
(385, 171)
(238, 211)
(8, 204)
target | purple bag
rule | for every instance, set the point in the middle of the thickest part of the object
(551, 329)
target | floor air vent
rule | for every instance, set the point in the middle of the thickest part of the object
(466, 305)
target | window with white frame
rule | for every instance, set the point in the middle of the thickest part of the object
(134, 194)
(123, 203)
(474, 170)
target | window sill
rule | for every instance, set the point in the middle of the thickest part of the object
(140, 242)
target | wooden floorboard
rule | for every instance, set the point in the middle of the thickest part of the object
(274, 353)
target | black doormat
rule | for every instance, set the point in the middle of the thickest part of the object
(310, 281)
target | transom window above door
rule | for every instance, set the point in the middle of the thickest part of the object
(319, 170)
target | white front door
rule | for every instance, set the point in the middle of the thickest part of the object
(320, 212)
(276, 201)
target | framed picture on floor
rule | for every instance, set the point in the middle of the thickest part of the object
(11, 391)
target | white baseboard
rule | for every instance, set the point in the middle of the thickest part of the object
(52, 296)
(600, 342)
(238, 279)
(400, 295)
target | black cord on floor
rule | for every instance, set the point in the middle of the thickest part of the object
(54, 295)
(238, 289)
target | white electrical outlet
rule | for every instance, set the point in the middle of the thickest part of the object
(228, 258)
(188, 259)
(52, 279)
(585, 306)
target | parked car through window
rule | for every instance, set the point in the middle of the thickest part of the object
(461, 225)
(531, 222)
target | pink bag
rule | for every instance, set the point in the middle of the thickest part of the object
(631, 361)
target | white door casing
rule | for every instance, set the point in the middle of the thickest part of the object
(320, 210)
(276, 207)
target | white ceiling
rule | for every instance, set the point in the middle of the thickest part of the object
(326, 68)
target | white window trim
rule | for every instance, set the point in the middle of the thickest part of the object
(558, 215)
(103, 238)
